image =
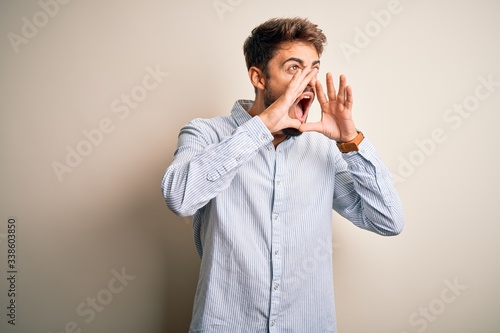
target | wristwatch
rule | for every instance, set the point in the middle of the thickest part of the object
(346, 147)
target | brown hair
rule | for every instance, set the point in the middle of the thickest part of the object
(262, 44)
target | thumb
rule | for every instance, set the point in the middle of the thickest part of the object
(294, 123)
(311, 127)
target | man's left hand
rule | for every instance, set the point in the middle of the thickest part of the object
(336, 111)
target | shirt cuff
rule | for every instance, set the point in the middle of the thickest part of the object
(366, 151)
(259, 133)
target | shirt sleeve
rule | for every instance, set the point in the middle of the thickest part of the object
(205, 165)
(364, 191)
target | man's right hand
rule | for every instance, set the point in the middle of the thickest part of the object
(277, 116)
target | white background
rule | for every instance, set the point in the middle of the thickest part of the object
(106, 214)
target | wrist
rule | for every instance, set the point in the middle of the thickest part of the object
(351, 145)
(348, 137)
(265, 120)
(348, 132)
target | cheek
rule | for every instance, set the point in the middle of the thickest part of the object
(278, 85)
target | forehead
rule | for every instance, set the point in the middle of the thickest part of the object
(299, 50)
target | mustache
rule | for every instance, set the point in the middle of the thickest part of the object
(309, 89)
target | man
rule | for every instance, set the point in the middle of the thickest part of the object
(262, 183)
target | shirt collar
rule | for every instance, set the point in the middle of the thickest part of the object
(240, 111)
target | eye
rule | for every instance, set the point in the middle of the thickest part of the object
(293, 68)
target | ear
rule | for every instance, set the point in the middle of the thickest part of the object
(257, 77)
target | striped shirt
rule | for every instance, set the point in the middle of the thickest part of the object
(263, 220)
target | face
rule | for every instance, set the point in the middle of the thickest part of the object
(288, 60)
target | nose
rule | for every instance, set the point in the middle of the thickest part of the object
(312, 84)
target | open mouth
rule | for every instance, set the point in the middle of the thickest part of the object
(302, 105)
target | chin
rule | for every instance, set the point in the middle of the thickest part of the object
(291, 131)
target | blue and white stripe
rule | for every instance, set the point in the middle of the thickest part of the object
(262, 220)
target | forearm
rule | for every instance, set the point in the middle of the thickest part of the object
(370, 200)
(202, 168)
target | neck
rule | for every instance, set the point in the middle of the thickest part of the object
(257, 106)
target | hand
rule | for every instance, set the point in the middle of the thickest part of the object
(276, 117)
(336, 111)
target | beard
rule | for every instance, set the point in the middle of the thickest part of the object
(270, 98)
(290, 131)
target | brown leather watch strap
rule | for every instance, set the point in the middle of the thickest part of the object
(346, 147)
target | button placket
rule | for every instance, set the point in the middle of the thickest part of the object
(277, 225)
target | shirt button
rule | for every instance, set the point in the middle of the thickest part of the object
(276, 252)
(273, 323)
(275, 217)
(276, 286)
(278, 182)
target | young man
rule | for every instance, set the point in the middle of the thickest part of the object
(262, 184)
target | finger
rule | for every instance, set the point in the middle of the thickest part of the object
(293, 123)
(342, 91)
(330, 87)
(349, 99)
(293, 87)
(306, 76)
(320, 93)
(298, 79)
(311, 127)
(310, 78)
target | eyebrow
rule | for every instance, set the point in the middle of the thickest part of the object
(300, 61)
